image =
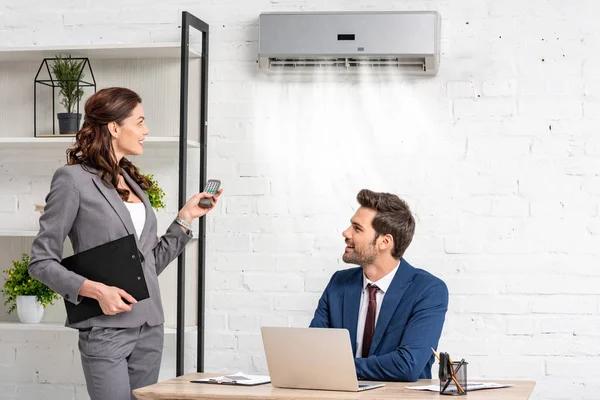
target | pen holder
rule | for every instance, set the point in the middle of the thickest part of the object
(456, 382)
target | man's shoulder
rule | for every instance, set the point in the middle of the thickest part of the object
(426, 279)
(344, 275)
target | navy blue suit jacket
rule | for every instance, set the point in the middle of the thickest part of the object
(409, 323)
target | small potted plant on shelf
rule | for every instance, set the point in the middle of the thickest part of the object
(29, 296)
(155, 194)
(68, 72)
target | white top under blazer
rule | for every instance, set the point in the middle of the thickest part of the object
(138, 216)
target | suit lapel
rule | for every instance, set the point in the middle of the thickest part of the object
(142, 195)
(112, 196)
(391, 300)
(352, 294)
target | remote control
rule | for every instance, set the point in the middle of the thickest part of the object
(211, 188)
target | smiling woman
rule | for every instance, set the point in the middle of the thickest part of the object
(114, 126)
(128, 137)
(96, 199)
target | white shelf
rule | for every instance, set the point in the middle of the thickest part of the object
(19, 326)
(101, 51)
(16, 233)
(61, 140)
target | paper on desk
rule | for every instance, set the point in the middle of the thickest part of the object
(237, 379)
(470, 386)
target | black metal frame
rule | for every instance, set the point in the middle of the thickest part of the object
(190, 21)
(53, 83)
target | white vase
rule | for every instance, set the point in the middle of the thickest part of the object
(29, 309)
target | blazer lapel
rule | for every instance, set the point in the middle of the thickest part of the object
(352, 305)
(142, 195)
(112, 196)
(391, 300)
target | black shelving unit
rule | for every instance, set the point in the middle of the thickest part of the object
(188, 23)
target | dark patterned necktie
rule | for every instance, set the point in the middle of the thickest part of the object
(370, 321)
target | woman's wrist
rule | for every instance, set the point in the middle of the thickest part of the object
(185, 216)
(185, 225)
(91, 289)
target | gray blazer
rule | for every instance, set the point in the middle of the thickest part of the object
(83, 208)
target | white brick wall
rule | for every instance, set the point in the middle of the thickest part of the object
(498, 156)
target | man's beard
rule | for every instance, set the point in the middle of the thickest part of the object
(360, 257)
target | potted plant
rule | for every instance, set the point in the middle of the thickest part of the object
(68, 72)
(29, 296)
(155, 194)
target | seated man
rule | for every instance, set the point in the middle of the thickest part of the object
(394, 312)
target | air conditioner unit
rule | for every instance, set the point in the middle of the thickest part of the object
(408, 41)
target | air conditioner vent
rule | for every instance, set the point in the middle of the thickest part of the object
(405, 41)
(348, 63)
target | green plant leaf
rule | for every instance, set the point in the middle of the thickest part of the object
(20, 283)
(155, 194)
(68, 73)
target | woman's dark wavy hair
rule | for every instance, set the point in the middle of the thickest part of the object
(93, 144)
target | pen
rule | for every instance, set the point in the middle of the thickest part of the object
(460, 389)
(435, 354)
(460, 364)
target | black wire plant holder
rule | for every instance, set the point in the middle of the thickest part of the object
(53, 82)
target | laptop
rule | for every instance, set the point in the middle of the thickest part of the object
(312, 358)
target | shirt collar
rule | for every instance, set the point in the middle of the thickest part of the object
(384, 283)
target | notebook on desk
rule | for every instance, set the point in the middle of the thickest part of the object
(236, 379)
(312, 358)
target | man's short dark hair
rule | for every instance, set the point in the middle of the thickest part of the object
(393, 217)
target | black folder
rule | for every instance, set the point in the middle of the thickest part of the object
(115, 263)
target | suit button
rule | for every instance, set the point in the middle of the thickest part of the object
(139, 278)
(133, 256)
(67, 296)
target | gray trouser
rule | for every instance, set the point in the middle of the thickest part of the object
(118, 360)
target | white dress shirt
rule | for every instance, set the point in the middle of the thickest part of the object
(138, 216)
(383, 284)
